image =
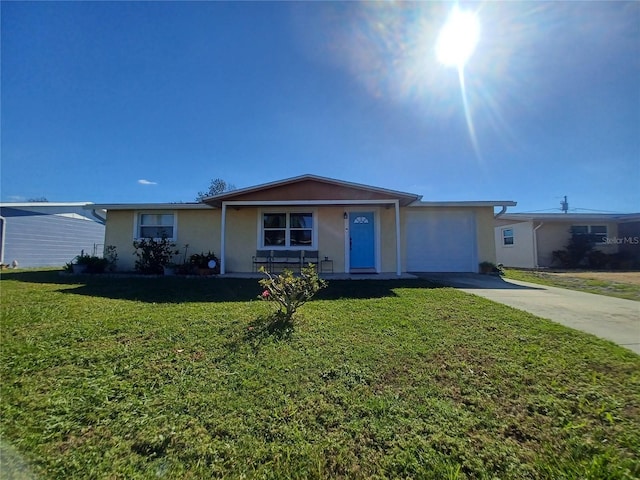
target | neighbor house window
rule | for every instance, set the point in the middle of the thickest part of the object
(507, 236)
(156, 225)
(287, 229)
(597, 233)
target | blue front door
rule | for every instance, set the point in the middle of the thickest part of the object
(362, 249)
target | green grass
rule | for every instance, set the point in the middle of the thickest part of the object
(601, 287)
(174, 378)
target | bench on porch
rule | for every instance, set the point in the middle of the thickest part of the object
(284, 259)
(310, 257)
(262, 258)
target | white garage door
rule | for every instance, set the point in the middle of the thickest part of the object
(441, 241)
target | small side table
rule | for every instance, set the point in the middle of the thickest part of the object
(325, 264)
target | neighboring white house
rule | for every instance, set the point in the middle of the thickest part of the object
(526, 240)
(42, 234)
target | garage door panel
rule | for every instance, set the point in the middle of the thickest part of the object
(441, 242)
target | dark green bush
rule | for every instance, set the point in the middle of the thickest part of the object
(111, 255)
(575, 254)
(153, 254)
(489, 267)
(598, 260)
(92, 263)
(97, 264)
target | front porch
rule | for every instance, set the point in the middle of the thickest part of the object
(354, 228)
(334, 276)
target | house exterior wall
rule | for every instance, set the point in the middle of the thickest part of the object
(520, 254)
(49, 236)
(200, 229)
(555, 236)
(119, 233)
(331, 236)
(241, 239)
(485, 234)
(629, 236)
(388, 240)
(551, 237)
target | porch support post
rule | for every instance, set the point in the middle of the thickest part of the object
(223, 223)
(398, 266)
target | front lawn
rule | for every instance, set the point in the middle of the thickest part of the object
(619, 284)
(173, 378)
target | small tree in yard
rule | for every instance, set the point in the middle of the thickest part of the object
(290, 292)
(153, 254)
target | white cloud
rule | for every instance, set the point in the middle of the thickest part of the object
(142, 181)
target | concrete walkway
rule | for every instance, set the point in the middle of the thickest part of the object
(614, 319)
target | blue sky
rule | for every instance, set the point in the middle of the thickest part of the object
(147, 102)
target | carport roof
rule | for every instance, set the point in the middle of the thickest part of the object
(572, 217)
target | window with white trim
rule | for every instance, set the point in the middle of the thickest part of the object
(596, 233)
(507, 237)
(156, 225)
(287, 229)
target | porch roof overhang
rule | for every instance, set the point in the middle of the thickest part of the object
(301, 203)
(573, 217)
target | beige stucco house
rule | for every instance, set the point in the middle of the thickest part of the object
(528, 240)
(357, 228)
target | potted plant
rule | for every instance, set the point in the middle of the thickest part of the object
(489, 268)
(85, 263)
(205, 263)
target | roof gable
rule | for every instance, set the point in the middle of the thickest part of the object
(311, 188)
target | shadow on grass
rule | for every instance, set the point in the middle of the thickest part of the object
(272, 327)
(275, 325)
(193, 289)
(472, 281)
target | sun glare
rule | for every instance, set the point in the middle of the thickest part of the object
(458, 38)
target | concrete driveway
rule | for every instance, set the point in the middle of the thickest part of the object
(614, 319)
